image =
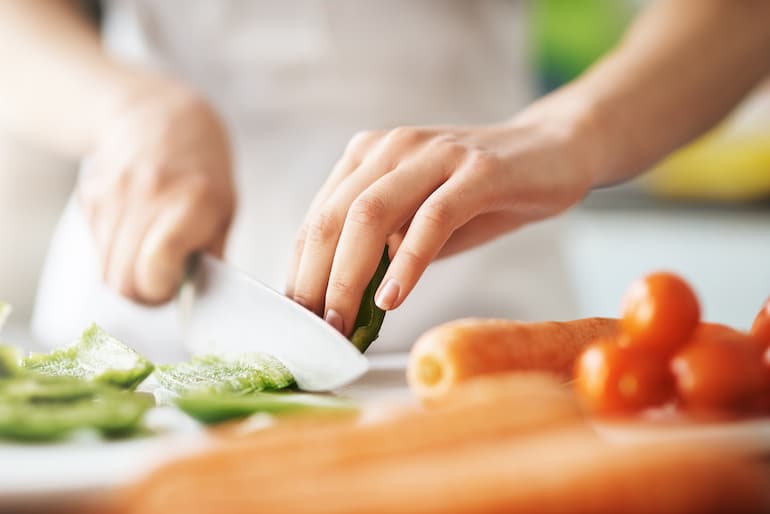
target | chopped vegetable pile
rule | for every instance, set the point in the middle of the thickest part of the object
(89, 385)
(36, 406)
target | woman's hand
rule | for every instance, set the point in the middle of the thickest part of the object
(428, 192)
(157, 187)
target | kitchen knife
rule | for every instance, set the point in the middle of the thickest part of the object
(220, 310)
(223, 311)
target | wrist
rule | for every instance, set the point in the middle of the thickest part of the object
(130, 90)
(574, 122)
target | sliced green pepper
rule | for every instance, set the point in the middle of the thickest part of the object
(215, 408)
(369, 320)
(239, 374)
(95, 356)
(35, 407)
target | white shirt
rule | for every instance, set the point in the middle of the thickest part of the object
(294, 80)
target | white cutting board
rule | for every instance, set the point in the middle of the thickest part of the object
(32, 476)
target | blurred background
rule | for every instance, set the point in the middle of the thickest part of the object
(703, 212)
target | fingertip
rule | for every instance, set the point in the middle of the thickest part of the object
(343, 299)
(157, 280)
(388, 294)
(334, 319)
(121, 281)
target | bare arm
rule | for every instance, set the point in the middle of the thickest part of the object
(158, 184)
(681, 68)
(434, 191)
(57, 86)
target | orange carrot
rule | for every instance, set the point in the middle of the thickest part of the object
(566, 470)
(485, 409)
(457, 351)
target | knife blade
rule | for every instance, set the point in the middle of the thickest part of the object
(223, 310)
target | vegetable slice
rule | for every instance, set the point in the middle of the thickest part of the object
(369, 320)
(215, 408)
(95, 356)
(213, 374)
(40, 408)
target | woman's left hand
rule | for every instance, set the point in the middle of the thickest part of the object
(428, 192)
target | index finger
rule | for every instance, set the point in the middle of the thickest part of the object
(351, 158)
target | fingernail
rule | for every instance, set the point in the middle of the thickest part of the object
(334, 319)
(388, 294)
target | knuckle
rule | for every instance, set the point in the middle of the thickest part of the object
(413, 259)
(482, 162)
(360, 140)
(404, 136)
(367, 210)
(449, 146)
(449, 154)
(305, 299)
(438, 213)
(340, 286)
(172, 244)
(324, 228)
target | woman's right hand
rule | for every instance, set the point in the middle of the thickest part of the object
(157, 187)
(432, 191)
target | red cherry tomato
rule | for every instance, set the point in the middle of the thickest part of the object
(721, 370)
(716, 331)
(611, 379)
(761, 327)
(660, 312)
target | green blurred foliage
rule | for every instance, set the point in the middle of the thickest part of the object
(567, 36)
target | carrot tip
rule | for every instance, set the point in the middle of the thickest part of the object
(429, 371)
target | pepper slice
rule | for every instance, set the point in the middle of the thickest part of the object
(212, 374)
(215, 408)
(369, 320)
(36, 407)
(95, 356)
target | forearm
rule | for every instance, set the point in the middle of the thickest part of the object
(681, 68)
(57, 86)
